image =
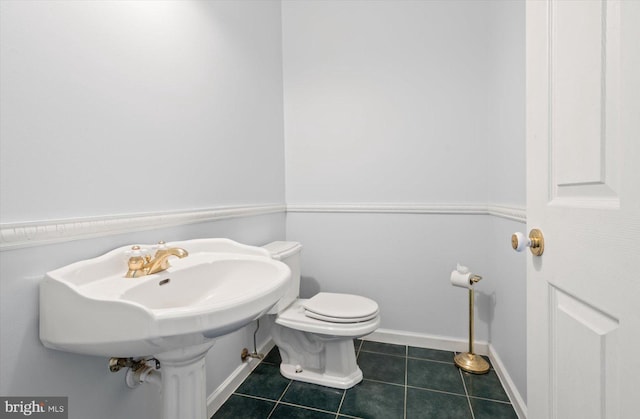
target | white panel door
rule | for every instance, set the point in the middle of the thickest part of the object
(583, 192)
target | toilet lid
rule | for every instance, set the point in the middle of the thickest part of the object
(340, 308)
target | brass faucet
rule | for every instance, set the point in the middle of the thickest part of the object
(141, 265)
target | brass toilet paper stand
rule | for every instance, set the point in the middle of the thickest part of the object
(468, 361)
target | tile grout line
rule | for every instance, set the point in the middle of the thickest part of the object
(344, 393)
(280, 398)
(410, 357)
(466, 393)
(406, 378)
(301, 406)
(433, 390)
(383, 382)
(431, 360)
(491, 400)
(251, 396)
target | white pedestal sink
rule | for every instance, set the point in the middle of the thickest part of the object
(89, 307)
(183, 382)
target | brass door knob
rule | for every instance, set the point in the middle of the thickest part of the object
(535, 242)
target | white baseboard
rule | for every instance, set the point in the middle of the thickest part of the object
(233, 381)
(420, 340)
(514, 395)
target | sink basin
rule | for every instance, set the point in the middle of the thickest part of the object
(89, 307)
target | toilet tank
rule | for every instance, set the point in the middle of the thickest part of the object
(288, 253)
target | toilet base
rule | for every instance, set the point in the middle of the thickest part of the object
(315, 358)
(321, 378)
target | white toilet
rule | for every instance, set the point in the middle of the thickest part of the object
(315, 336)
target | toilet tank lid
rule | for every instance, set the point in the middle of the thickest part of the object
(282, 249)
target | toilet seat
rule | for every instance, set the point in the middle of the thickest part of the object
(294, 317)
(340, 308)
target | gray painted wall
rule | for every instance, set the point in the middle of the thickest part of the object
(120, 107)
(410, 103)
(111, 108)
(114, 108)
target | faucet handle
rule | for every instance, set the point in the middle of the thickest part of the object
(136, 251)
(161, 245)
(136, 262)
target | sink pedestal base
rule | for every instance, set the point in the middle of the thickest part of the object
(184, 382)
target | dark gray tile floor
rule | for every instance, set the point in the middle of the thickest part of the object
(400, 382)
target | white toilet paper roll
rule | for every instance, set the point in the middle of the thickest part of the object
(461, 279)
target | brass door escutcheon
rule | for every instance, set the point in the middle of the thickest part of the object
(537, 242)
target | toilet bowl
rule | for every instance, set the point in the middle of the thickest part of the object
(315, 336)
